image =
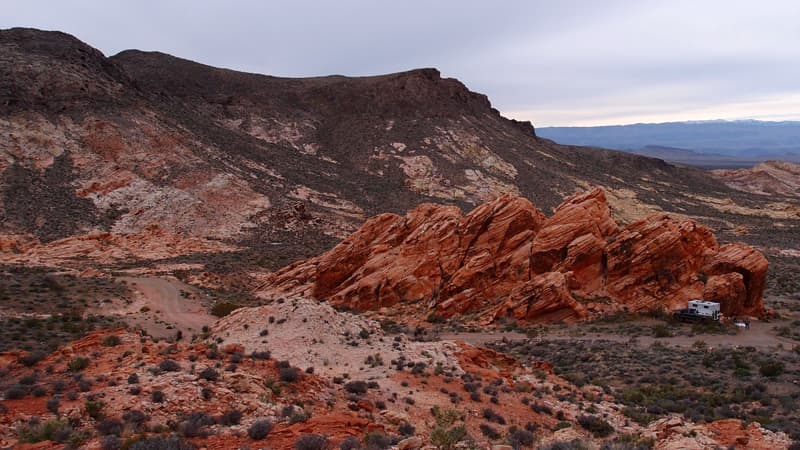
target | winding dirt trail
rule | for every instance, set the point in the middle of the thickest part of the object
(161, 309)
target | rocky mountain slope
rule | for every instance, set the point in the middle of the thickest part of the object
(506, 259)
(281, 168)
(767, 178)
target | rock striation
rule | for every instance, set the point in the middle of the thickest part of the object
(767, 178)
(507, 260)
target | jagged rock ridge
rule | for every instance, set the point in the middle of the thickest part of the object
(506, 259)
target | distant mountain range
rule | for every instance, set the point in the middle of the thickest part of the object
(710, 144)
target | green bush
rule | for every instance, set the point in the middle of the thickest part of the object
(447, 438)
(53, 430)
(94, 409)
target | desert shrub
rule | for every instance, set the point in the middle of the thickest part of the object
(110, 442)
(169, 365)
(232, 417)
(576, 444)
(599, 427)
(259, 429)
(206, 393)
(84, 385)
(261, 355)
(519, 438)
(356, 387)
(135, 418)
(471, 387)
(351, 443)
(111, 341)
(32, 358)
(53, 430)
(53, 404)
(109, 427)
(490, 415)
(375, 440)
(209, 374)
(16, 392)
(157, 397)
(192, 425)
(162, 443)
(133, 379)
(222, 309)
(312, 442)
(406, 429)
(661, 331)
(445, 417)
(448, 438)
(489, 432)
(94, 409)
(78, 364)
(771, 369)
(59, 386)
(282, 364)
(629, 442)
(289, 374)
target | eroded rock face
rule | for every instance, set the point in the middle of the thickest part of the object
(655, 261)
(506, 259)
(751, 264)
(729, 290)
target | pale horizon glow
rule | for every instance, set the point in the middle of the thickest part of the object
(566, 63)
(776, 109)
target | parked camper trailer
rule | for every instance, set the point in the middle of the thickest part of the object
(699, 311)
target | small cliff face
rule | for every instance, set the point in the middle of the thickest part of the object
(506, 259)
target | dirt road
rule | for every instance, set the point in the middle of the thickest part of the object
(760, 335)
(161, 309)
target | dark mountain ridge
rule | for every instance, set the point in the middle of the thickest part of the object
(258, 161)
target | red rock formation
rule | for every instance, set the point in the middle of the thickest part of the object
(99, 246)
(655, 261)
(505, 259)
(729, 290)
(751, 264)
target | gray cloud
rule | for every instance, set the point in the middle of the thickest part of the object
(555, 63)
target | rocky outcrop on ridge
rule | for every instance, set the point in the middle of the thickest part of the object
(768, 178)
(505, 259)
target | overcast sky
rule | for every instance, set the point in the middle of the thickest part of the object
(551, 62)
